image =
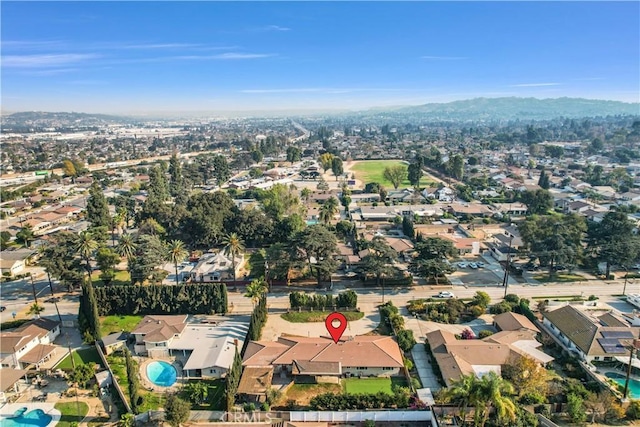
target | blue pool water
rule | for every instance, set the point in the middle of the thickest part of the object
(162, 374)
(22, 418)
(634, 385)
(312, 221)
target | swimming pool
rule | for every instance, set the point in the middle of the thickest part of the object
(22, 418)
(162, 374)
(634, 385)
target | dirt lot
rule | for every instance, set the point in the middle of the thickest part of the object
(302, 393)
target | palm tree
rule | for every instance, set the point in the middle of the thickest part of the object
(328, 210)
(460, 393)
(25, 236)
(176, 252)
(127, 248)
(493, 392)
(35, 309)
(233, 246)
(85, 247)
(256, 289)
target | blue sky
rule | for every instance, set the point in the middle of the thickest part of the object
(136, 57)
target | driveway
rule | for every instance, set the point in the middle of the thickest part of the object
(421, 360)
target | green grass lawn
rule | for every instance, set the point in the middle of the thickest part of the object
(318, 316)
(371, 385)
(560, 277)
(373, 171)
(215, 398)
(85, 355)
(71, 412)
(111, 324)
(151, 401)
(122, 277)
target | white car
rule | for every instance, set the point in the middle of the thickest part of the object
(480, 264)
(462, 264)
(473, 265)
(445, 294)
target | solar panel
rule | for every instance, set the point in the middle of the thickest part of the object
(611, 345)
(617, 334)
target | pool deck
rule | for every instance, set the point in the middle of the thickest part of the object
(602, 372)
(9, 409)
(148, 385)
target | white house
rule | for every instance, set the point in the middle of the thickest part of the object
(29, 345)
(215, 268)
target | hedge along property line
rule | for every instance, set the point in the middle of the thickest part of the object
(206, 298)
(344, 300)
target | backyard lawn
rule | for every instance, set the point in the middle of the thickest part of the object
(318, 316)
(372, 385)
(215, 396)
(71, 412)
(373, 170)
(111, 324)
(151, 401)
(84, 355)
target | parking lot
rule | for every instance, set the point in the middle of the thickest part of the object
(490, 274)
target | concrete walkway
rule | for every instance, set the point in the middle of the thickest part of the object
(428, 378)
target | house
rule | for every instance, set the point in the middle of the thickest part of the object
(154, 333)
(588, 338)
(501, 251)
(215, 268)
(254, 383)
(457, 358)
(511, 321)
(114, 342)
(29, 345)
(205, 350)
(469, 209)
(510, 209)
(404, 196)
(12, 264)
(321, 360)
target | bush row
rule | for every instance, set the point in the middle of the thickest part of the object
(348, 299)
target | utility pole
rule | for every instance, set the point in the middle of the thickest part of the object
(55, 301)
(505, 279)
(626, 276)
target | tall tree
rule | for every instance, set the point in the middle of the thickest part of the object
(25, 236)
(132, 379)
(97, 208)
(328, 210)
(326, 161)
(455, 166)
(293, 154)
(491, 392)
(149, 254)
(158, 188)
(613, 240)
(176, 183)
(221, 170)
(127, 248)
(317, 245)
(395, 175)
(176, 410)
(233, 246)
(337, 167)
(460, 393)
(414, 172)
(107, 259)
(379, 261)
(176, 253)
(538, 201)
(85, 247)
(543, 181)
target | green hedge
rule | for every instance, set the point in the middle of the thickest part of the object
(206, 298)
(11, 324)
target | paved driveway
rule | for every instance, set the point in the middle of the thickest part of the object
(425, 371)
(276, 326)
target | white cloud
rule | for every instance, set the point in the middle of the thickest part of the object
(273, 28)
(239, 55)
(443, 58)
(535, 84)
(162, 46)
(44, 60)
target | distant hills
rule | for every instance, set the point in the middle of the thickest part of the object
(478, 109)
(517, 108)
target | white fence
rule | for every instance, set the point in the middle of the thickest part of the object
(356, 416)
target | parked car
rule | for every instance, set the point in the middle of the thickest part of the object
(2, 308)
(473, 265)
(462, 265)
(480, 264)
(52, 300)
(445, 294)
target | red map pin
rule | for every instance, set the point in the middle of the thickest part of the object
(336, 331)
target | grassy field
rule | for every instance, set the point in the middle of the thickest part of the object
(373, 170)
(371, 385)
(71, 412)
(318, 316)
(215, 398)
(122, 278)
(84, 355)
(560, 277)
(111, 324)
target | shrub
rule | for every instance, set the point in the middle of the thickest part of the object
(481, 298)
(633, 411)
(249, 407)
(406, 341)
(467, 334)
(485, 333)
(512, 299)
(476, 311)
(502, 307)
(408, 364)
(592, 298)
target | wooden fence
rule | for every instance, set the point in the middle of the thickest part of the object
(113, 378)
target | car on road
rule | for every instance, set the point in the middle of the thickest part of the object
(2, 308)
(462, 264)
(52, 300)
(445, 294)
(473, 265)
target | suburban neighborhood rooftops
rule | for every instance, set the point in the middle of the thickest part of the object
(513, 321)
(158, 328)
(255, 380)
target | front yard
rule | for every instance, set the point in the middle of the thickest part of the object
(318, 316)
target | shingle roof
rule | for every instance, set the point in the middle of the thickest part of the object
(513, 321)
(255, 380)
(160, 328)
